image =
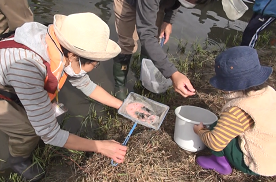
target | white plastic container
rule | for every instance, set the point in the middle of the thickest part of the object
(152, 79)
(186, 118)
(234, 9)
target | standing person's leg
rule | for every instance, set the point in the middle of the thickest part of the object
(4, 27)
(14, 13)
(22, 139)
(257, 23)
(125, 24)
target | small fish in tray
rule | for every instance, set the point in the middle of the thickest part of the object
(144, 111)
(140, 112)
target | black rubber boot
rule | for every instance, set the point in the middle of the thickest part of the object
(143, 54)
(32, 172)
(120, 71)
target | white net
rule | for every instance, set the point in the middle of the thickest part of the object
(152, 79)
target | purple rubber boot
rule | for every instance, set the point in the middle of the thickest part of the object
(219, 164)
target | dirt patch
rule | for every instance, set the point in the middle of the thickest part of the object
(153, 155)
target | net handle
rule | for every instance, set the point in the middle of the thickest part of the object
(125, 142)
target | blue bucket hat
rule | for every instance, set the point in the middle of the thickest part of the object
(238, 68)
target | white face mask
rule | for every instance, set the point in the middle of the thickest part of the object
(186, 4)
(69, 70)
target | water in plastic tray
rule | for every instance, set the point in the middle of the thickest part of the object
(156, 108)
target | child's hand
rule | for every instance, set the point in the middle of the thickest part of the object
(198, 127)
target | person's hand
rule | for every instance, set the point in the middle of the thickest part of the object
(113, 149)
(182, 84)
(198, 127)
(166, 30)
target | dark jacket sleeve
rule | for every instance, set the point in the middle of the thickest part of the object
(170, 16)
(146, 15)
(170, 13)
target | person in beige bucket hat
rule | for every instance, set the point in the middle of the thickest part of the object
(95, 45)
(37, 61)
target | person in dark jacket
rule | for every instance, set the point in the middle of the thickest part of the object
(147, 21)
(264, 15)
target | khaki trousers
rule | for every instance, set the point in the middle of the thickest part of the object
(125, 24)
(14, 123)
(13, 14)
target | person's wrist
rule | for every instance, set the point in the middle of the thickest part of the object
(198, 131)
(96, 146)
(174, 74)
(119, 104)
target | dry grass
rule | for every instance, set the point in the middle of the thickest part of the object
(153, 155)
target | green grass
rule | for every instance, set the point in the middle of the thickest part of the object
(152, 155)
(12, 178)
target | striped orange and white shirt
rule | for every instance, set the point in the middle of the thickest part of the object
(25, 72)
(231, 124)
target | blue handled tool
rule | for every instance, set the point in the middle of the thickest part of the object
(125, 142)
(162, 40)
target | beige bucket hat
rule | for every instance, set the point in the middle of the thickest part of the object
(234, 9)
(86, 35)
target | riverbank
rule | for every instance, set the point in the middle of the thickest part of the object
(152, 155)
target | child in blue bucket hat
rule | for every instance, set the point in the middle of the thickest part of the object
(245, 135)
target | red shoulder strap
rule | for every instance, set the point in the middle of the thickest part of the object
(50, 81)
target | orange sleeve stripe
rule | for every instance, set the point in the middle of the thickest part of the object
(214, 142)
(244, 118)
(224, 137)
(228, 133)
(235, 111)
(230, 125)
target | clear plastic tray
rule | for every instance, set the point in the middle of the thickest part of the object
(157, 108)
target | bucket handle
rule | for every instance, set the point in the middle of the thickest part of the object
(125, 142)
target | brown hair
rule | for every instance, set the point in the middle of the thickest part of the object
(258, 87)
(82, 60)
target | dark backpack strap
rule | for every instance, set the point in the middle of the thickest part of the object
(6, 35)
(4, 44)
(9, 96)
(51, 78)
